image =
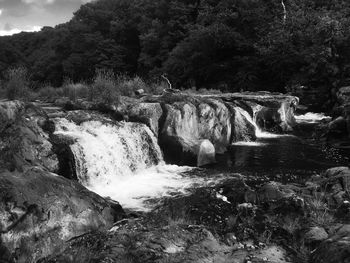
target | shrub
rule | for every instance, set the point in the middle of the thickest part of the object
(127, 86)
(17, 84)
(104, 87)
(75, 91)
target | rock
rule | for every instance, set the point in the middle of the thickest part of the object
(23, 143)
(274, 191)
(147, 113)
(335, 249)
(281, 198)
(269, 119)
(206, 153)
(215, 123)
(315, 235)
(242, 129)
(338, 174)
(273, 253)
(343, 95)
(139, 92)
(40, 211)
(337, 128)
(237, 191)
(9, 111)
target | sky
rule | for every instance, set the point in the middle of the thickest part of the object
(32, 15)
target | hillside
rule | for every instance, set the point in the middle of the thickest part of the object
(230, 45)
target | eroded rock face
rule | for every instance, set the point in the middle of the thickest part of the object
(181, 121)
(23, 142)
(40, 210)
(147, 113)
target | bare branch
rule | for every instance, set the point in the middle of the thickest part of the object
(284, 12)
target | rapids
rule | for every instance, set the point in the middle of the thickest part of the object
(122, 161)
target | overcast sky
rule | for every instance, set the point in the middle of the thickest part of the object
(31, 15)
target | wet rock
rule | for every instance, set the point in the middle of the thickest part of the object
(242, 129)
(269, 119)
(335, 249)
(215, 123)
(147, 113)
(40, 211)
(206, 153)
(315, 235)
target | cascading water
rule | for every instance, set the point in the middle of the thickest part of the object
(311, 117)
(122, 161)
(258, 132)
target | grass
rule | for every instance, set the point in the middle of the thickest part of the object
(319, 212)
(17, 84)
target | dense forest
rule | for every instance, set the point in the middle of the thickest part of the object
(231, 45)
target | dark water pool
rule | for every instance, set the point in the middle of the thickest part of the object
(285, 158)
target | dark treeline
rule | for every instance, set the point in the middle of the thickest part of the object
(230, 45)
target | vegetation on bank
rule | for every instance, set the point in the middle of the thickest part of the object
(230, 45)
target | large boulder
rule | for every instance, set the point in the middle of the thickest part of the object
(23, 141)
(215, 123)
(335, 249)
(242, 129)
(40, 211)
(343, 95)
(147, 113)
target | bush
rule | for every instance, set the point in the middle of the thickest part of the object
(104, 87)
(127, 86)
(17, 84)
(75, 91)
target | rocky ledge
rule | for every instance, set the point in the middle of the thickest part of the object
(191, 128)
(40, 210)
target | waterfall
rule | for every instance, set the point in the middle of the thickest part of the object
(311, 117)
(258, 132)
(122, 161)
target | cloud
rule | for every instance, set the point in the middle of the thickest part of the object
(1, 12)
(38, 2)
(9, 30)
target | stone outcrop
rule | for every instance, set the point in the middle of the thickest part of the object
(182, 121)
(23, 141)
(336, 249)
(40, 210)
(221, 119)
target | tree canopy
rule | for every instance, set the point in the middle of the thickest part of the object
(230, 45)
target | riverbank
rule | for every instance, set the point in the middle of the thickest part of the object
(65, 166)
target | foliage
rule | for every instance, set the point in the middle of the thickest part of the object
(231, 45)
(17, 83)
(104, 87)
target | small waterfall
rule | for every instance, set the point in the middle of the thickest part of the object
(122, 161)
(311, 117)
(258, 132)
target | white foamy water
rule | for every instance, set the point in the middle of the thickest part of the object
(258, 132)
(311, 117)
(249, 143)
(123, 161)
